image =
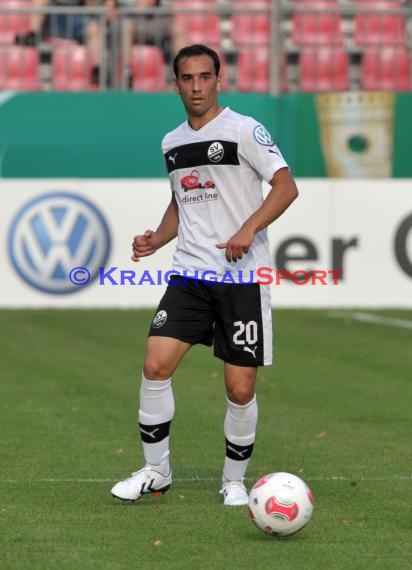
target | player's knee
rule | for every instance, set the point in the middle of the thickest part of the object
(154, 369)
(240, 395)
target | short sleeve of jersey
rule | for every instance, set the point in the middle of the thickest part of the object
(256, 146)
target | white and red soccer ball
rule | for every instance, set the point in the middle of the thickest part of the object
(280, 504)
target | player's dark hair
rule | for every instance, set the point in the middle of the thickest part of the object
(193, 50)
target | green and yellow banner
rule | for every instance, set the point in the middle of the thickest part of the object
(118, 135)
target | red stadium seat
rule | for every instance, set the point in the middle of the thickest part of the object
(201, 22)
(313, 24)
(253, 70)
(373, 25)
(324, 69)
(386, 69)
(148, 68)
(71, 68)
(19, 69)
(250, 22)
(13, 23)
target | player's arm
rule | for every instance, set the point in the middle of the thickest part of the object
(149, 242)
(282, 193)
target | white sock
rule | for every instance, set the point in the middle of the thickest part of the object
(240, 428)
(155, 415)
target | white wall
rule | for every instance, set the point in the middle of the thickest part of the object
(370, 219)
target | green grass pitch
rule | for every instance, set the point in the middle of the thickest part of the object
(335, 408)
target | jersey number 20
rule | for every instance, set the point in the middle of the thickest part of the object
(247, 333)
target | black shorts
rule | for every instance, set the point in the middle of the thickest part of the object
(235, 318)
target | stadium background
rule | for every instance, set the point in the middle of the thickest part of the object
(82, 171)
(348, 147)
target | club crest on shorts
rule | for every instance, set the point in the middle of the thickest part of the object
(215, 152)
(159, 319)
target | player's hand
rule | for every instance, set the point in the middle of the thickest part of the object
(144, 245)
(237, 245)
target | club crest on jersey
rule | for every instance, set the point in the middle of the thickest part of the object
(215, 152)
(262, 136)
(159, 319)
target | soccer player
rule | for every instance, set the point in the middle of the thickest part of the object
(216, 161)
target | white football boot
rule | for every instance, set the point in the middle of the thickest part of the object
(234, 493)
(146, 481)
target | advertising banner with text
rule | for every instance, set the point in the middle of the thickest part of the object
(67, 243)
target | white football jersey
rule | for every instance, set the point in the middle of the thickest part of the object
(216, 175)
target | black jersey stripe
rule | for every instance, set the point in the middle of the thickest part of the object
(201, 153)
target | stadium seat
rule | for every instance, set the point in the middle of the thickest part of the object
(19, 69)
(313, 24)
(374, 25)
(148, 68)
(253, 70)
(13, 23)
(250, 22)
(386, 69)
(71, 68)
(324, 69)
(201, 22)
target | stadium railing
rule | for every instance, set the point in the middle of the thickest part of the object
(271, 46)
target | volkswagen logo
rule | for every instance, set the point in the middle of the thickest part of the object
(53, 233)
(262, 136)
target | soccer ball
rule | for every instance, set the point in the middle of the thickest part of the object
(280, 504)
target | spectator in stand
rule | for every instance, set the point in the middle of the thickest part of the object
(79, 27)
(150, 29)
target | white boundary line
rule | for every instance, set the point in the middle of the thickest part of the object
(373, 319)
(332, 478)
